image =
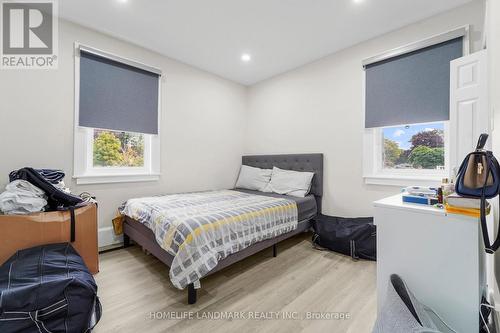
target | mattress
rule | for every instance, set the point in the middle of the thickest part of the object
(201, 228)
(307, 207)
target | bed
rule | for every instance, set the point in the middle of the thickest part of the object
(137, 229)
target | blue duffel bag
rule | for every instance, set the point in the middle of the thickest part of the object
(47, 289)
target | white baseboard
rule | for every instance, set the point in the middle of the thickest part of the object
(107, 237)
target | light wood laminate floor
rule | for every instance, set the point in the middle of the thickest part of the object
(135, 288)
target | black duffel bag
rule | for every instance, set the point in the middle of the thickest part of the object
(355, 237)
(47, 289)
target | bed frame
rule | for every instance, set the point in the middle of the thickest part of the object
(142, 235)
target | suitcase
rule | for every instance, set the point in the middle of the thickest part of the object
(47, 289)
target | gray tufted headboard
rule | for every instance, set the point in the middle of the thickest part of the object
(296, 162)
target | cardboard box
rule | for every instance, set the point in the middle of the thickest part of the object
(18, 232)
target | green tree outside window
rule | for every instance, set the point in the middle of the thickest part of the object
(118, 149)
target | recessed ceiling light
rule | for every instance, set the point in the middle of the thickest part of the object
(122, 1)
(358, 1)
(245, 57)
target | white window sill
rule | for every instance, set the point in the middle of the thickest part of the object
(403, 180)
(119, 178)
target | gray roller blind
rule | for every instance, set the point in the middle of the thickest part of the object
(117, 96)
(411, 88)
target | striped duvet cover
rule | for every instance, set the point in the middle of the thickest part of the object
(200, 229)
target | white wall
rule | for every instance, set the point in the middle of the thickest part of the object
(318, 108)
(202, 118)
(493, 46)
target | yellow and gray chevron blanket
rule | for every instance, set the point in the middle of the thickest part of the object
(200, 229)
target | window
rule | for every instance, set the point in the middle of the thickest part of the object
(407, 111)
(117, 119)
(419, 147)
(112, 149)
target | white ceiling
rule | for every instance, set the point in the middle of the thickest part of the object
(279, 34)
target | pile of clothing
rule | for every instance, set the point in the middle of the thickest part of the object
(22, 197)
(36, 190)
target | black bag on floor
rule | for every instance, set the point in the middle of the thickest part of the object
(355, 237)
(47, 289)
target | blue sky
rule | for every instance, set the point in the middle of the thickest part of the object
(403, 134)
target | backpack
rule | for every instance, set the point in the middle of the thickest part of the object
(355, 237)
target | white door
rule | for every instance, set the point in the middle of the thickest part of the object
(469, 117)
(469, 109)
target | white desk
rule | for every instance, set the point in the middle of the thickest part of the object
(440, 256)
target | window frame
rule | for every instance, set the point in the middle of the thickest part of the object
(373, 172)
(83, 169)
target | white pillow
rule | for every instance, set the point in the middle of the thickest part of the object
(251, 178)
(294, 183)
